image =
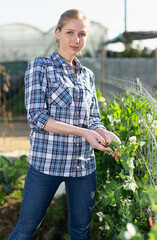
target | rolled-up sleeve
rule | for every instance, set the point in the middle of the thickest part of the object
(95, 118)
(35, 94)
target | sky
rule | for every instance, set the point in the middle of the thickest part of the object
(44, 14)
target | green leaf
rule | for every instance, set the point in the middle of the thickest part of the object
(118, 193)
(106, 201)
(123, 159)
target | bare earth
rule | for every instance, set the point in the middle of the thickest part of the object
(14, 139)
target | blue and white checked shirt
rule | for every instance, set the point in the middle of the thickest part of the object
(53, 90)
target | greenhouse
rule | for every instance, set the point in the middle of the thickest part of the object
(21, 42)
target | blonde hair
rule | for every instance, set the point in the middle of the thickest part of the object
(72, 14)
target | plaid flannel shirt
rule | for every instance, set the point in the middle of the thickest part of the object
(53, 90)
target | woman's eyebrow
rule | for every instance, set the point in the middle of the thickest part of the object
(70, 29)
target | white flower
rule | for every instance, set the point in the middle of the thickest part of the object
(110, 117)
(101, 228)
(150, 117)
(142, 143)
(125, 201)
(130, 184)
(103, 100)
(141, 121)
(131, 162)
(113, 119)
(132, 139)
(154, 124)
(127, 235)
(101, 216)
(107, 227)
(131, 231)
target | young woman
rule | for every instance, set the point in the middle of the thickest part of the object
(63, 115)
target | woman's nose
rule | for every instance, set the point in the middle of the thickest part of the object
(76, 38)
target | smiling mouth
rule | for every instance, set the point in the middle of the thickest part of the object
(74, 47)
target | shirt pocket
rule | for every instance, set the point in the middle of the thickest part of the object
(60, 95)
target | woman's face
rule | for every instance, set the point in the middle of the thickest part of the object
(72, 38)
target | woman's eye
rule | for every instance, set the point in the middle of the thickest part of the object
(70, 33)
(82, 34)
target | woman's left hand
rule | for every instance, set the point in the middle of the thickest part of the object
(107, 135)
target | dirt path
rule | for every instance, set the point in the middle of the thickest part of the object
(14, 139)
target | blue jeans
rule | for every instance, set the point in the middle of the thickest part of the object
(38, 192)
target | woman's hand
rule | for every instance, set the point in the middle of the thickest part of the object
(107, 135)
(95, 140)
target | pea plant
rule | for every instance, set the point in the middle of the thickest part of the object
(123, 202)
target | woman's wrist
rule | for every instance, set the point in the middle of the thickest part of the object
(84, 132)
(99, 130)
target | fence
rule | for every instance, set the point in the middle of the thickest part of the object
(145, 122)
(143, 68)
(15, 95)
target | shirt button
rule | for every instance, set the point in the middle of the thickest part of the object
(61, 85)
(77, 112)
(75, 82)
(77, 144)
(78, 96)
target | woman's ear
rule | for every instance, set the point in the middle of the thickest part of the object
(57, 32)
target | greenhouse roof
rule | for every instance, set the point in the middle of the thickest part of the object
(130, 36)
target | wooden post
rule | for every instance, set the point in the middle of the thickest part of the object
(102, 70)
(156, 66)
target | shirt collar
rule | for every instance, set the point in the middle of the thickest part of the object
(59, 61)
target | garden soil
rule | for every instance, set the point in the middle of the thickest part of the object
(14, 139)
